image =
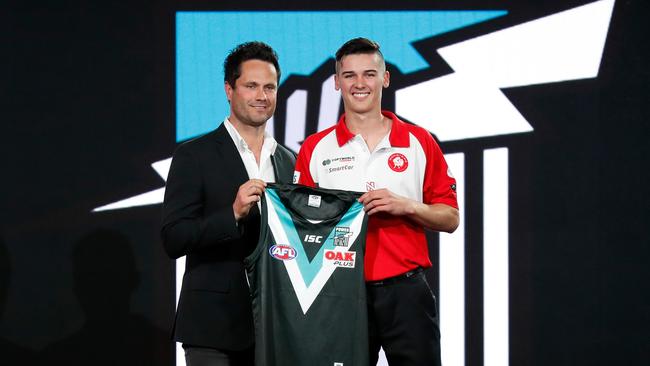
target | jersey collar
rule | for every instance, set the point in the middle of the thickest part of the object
(398, 137)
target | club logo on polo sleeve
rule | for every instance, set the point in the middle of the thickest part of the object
(282, 252)
(398, 162)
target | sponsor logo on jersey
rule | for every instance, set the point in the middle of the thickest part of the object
(340, 259)
(370, 186)
(342, 236)
(340, 168)
(398, 162)
(283, 252)
(344, 159)
(313, 238)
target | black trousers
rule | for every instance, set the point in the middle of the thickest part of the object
(203, 356)
(403, 319)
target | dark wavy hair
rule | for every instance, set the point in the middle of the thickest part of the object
(244, 52)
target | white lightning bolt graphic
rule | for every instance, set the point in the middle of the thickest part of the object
(149, 198)
(469, 103)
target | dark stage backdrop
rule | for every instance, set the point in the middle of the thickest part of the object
(90, 93)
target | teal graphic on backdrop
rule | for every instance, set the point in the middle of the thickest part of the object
(303, 40)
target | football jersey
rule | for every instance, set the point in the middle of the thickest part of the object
(306, 278)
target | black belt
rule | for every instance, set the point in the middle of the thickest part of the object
(390, 280)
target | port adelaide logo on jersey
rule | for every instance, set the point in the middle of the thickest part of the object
(339, 164)
(342, 236)
(283, 252)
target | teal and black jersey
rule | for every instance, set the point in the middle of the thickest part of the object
(306, 278)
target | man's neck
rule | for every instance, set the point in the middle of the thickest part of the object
(363, 123)
(252, 135)
(372, 126)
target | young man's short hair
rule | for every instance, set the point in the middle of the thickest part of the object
(357, 46)
(245, 52)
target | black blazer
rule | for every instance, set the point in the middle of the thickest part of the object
(214, 308)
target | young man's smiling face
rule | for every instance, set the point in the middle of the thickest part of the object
(361, 78)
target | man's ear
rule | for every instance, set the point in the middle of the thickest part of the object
(386, 79)
(336, 82)
(229, 90)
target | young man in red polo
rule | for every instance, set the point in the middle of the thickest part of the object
(408, 188)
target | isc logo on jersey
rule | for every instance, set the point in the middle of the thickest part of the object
(340, 259)
(282, 252)
(313, 239)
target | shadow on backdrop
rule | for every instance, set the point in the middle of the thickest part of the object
(10, 353)
(105, 278)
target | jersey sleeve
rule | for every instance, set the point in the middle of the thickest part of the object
(439, 184)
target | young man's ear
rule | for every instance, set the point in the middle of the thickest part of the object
(336, 82)
(386, 79)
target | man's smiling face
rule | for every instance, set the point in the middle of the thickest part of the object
(253, 99)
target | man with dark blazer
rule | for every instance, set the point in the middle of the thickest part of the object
(211, 212)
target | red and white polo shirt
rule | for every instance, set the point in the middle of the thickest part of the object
(408, 162)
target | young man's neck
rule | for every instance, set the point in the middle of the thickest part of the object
(372, 126)
(362, 123)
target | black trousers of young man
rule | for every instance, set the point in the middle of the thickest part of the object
(403, 319)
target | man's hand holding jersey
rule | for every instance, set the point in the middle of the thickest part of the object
(248, 194)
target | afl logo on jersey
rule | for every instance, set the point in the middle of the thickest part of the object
(282, 252)
(398, 162)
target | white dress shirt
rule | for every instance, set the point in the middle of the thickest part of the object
(264, 170)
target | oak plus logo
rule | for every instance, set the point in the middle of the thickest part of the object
(344, 259)
(465, 103)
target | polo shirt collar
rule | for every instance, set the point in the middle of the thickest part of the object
(398, 136)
